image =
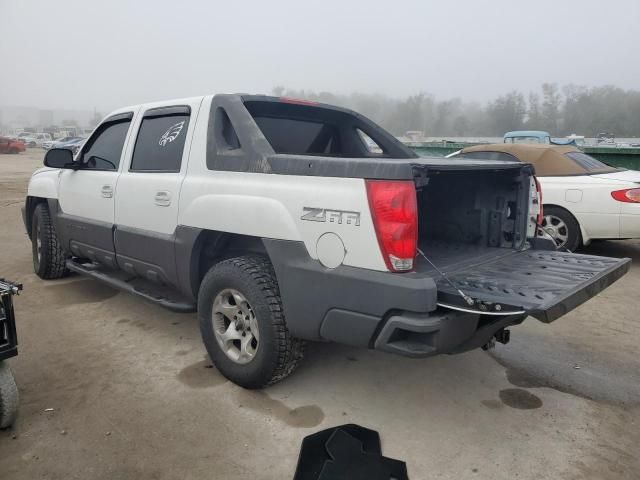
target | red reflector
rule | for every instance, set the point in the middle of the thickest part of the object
(394, 211)
(631, 195)
(297, 101)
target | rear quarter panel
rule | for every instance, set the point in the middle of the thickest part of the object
(272, 206)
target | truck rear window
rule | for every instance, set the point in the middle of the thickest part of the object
(313, 130)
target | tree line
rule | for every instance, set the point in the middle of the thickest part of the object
(558, 110)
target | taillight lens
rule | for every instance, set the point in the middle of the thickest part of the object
(631, 195)
(540, 212)
(395, 217)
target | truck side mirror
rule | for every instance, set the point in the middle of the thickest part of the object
(59, 158)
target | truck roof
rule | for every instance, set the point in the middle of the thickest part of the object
(281, 135)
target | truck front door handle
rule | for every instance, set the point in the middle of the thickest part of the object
(163, 198)
(107, 191)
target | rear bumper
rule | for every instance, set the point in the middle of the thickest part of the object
(400, 313)
(443, 331)
(363, 308)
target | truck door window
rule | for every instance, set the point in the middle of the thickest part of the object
(160, 143)
(103, 150)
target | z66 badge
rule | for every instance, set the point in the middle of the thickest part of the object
(332, 216)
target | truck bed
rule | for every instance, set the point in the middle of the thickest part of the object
(451, 257)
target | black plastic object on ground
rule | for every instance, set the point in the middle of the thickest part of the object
(348, 452)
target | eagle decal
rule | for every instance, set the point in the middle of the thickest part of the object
(171, 134)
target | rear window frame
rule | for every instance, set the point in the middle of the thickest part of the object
(345, 129)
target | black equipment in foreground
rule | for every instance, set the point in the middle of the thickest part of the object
(348, 452)
(8, 349)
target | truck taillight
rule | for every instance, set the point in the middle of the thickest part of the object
(540, 210)
(630, 195)
(394, 211)
(297, 101)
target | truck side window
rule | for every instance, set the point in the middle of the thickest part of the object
(104, 149)
(160, 143)
(369, 144)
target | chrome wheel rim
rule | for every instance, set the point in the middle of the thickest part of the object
(235, 326)
(557, 229)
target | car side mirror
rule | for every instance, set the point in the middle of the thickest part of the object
(59, 158)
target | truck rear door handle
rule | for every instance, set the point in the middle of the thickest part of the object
(163, 198)
(107, 191)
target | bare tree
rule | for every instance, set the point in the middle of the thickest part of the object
(551, 101)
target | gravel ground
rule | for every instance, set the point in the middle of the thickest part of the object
(134, 396)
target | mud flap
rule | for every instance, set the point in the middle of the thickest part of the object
(543, 284)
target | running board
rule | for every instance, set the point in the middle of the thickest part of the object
(161, 295)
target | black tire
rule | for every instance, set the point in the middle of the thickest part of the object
(48, 256)
(8, 397)
(13, 151)
(277, 353)
(574, 236)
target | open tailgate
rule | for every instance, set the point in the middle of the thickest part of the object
(544, 284)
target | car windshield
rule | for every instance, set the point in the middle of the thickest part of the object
(527, 139)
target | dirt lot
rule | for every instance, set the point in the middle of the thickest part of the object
(134, 396)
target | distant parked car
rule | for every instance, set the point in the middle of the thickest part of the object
(22, 135)
(583, 198)
(55, 143)
(11, 145)
(34, 139)
(74, 145)
(535, 136)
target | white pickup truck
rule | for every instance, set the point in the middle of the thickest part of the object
(282, 220)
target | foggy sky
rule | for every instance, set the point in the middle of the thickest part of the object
(105, 54)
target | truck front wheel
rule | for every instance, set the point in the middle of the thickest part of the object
(242, 323)
(48, 256)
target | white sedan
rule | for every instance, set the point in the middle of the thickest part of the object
(583, 199)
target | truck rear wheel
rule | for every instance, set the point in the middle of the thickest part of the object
(48, 257)
(242, 323)
(8, 396)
